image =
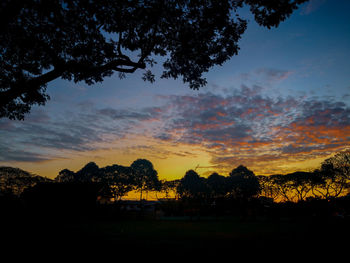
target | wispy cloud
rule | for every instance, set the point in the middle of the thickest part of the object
(257, 128)
(312, 6)
(273, 75)
(81, 131)
(9, 154)
(264, 78)
(243, 126)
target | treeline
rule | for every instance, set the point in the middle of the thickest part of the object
(114, 182)
(117, 181)
(331, 180)
(14, 181)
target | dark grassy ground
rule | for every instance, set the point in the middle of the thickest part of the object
(188, 234)
(295, 231)
(180, 236)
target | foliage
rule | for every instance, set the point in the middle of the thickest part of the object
(329, 182)
(296, 185)
(89, 173)
(192, 186)
(14, 180)
(144, 176)
(65, 175)
(268, 187)
(218, 186)
(116, 181)
(168, 187)
(243, 183)
(338, 164)
(335, 175)
(87, 41)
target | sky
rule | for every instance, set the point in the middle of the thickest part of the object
(281, 105)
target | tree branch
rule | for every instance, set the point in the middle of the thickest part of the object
(16, 90)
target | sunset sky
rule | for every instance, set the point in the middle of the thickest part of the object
(282, 104)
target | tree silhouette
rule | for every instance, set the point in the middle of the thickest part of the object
(89, 40)
(65, 175)
(243, 183)
(268, 187)
(144, 176)
(169, 187)
(89, 173)
(113, 181)
(192, 186)
(14, 181)
(335, 175)
(218, 185)
(116, 181)
(283, 186)
(300, 183)
(339, 163)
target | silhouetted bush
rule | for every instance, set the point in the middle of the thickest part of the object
(61, 199)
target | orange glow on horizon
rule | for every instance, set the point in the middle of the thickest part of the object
(175, 165)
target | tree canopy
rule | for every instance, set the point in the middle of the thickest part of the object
(335, 175)
(329, 182)
(87, 41)
(192, 186)
(243, 183)
(145, 176)
(14, 180)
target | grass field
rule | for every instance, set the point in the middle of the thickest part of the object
(202, 233)
(179, 236)
(188, 233)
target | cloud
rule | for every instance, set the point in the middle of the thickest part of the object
(247, 127)
(243, 126)
(268, 76)
(232, 119)
(157, 151)
(312, 6)
(122, 114)
(85, 130)
(273, 75)
(11, 155)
